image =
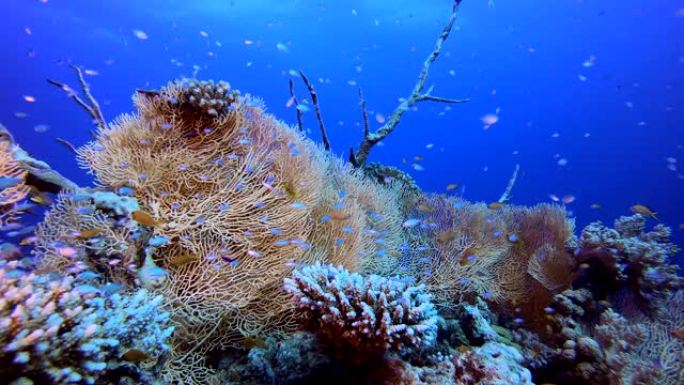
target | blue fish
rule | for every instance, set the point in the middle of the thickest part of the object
(298, 205)
(9, 181)
(326, 218)
(158, 240)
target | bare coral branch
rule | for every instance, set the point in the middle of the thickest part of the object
(91, 106)
(417, 95)
(296, 104)
(317, 109)
(506, 196)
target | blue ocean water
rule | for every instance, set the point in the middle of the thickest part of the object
(596, 84)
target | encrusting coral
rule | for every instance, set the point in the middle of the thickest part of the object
(369, 315)
(63, 330)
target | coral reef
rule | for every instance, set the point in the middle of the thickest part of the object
(367, 315)
(491, 364)
(629, 258)
(235, 200)
(62, 330)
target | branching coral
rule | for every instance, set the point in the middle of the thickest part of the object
(59, 330)
(630, 258)
(369, 315)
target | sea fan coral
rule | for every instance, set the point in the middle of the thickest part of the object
(59, 330)
(15, 192)
(96, 226)
(239, 198)
(369, 315)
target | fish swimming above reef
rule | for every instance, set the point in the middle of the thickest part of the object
(643, 210)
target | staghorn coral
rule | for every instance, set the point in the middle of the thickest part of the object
(60, 331)
(369, 315)
(629, 258)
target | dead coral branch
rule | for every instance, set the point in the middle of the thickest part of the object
(370, 139)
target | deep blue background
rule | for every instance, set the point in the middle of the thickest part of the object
(524, 57)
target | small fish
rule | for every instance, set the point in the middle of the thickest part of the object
(412, 222)
(158, 240)
(140, 35)
(282, 48)
(425, 209)
(643, 210)
(89, 233)
(85, 210)
(28, 240)
(678, 333)
(496, 205)
(417, 167)
(144, 218)
(554, 197)
(446, 236)
(9, 181)
(135, 355)
(513, 238)
(567, 199)
(418, 158)
(253, 253)
(127, 191)
(298, 205)
(451, 186)
(325, 218)
(183, 259)
(67, 252)
(254, 342)
(337, 216)
(595, 206)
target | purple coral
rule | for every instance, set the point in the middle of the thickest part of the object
(369, 314)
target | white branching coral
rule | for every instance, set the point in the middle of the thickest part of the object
(58, 330)
(369, 314)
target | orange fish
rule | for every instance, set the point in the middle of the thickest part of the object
(41, 199)
(678, 333)
(254, 342)
(135, 355)
(495, 205)
(183, 259)
(337, 216)
(424, 208)
(144, 218)
(452, 186)
(418, 158)
(643, 210)
(446, 236)
(87, 234)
